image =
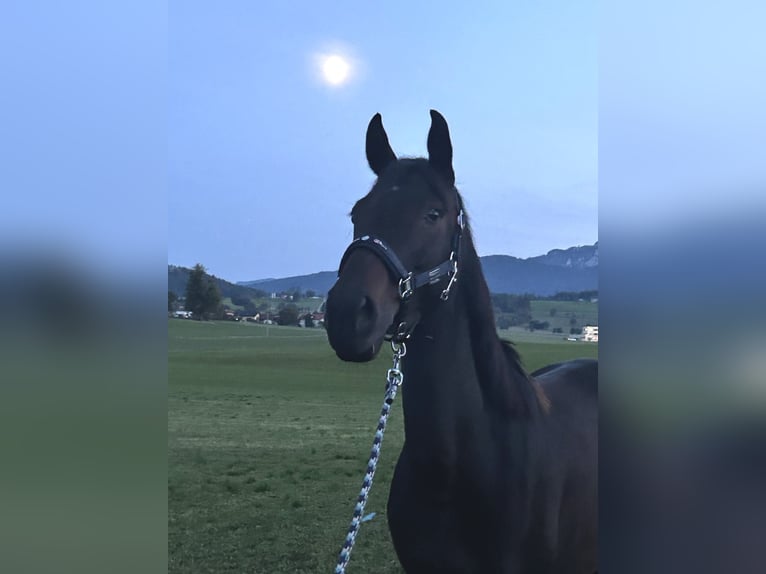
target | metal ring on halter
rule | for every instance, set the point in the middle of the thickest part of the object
(405, 287)
(453, 278)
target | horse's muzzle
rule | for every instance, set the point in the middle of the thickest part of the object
(360, 308)
(351, 328)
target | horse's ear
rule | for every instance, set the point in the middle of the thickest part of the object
(440, 147)
(379, 152)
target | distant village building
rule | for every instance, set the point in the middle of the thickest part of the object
(590, 333)
(311, 320)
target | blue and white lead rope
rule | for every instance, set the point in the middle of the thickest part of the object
(393, 381)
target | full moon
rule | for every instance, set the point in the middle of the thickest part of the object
(335, 70)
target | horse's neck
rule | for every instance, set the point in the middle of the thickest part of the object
(457, 373)
(440, 390)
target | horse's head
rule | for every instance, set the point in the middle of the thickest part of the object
(407, 231)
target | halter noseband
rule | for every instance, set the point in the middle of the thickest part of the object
(408, 281)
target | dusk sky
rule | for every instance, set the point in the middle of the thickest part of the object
(266, 154)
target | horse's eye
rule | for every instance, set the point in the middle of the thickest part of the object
(433, 215)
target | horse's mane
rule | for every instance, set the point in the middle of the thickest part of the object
(511, 353)
(481, 302)
(514, 359)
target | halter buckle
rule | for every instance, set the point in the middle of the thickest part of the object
(405, 287)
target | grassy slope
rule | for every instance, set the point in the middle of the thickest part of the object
(585, 312)
(267, 441)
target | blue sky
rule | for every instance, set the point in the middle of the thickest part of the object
(82, 132)
(266, 160)
(682, 128)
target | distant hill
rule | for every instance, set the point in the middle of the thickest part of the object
(179, 276)
(320, 283)
(580, 257)
(572, 269)
(506, 274)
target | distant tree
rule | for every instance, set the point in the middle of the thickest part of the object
(504, 322)
(240, 301)
(566, 296)
(575, 331)
(535, 325)
(517, 307)
(574, 295)
(296, 295)
(552, 312)
(557, 330)
(172, 298)
(213, 299)
(288, 315)
(310, 293)
(202, 296)
(195, 291)
(308, 320)
(258, 293)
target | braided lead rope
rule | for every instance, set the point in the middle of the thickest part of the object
(394, 379)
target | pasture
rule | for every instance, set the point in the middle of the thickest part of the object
(268, 437)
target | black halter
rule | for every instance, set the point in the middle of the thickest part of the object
(408, 281)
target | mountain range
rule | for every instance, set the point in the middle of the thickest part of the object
(572, 269)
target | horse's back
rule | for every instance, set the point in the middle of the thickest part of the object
(570, 384)
(570, 391)
(571, 435)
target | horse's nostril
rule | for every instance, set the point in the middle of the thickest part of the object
(366, 314)
(366, 305)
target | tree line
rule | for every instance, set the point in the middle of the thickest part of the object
(203, 299)
(573, 295)
(516, 310)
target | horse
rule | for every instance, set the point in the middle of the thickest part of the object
(498, 471)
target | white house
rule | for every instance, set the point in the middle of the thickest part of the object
(590, 333)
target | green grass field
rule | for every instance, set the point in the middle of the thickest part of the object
(268, 437)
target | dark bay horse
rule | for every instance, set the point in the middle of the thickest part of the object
(498, 473)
